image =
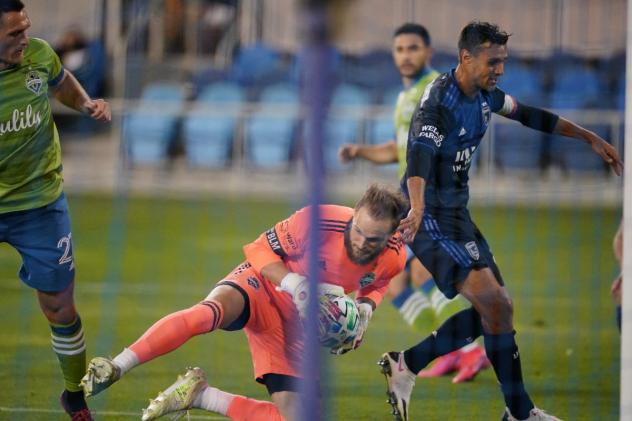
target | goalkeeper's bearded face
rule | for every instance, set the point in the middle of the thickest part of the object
(366, 236)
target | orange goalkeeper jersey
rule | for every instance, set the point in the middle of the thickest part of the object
(287, 242)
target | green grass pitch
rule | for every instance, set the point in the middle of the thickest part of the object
(139, 259)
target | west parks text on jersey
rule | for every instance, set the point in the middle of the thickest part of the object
(447, 126)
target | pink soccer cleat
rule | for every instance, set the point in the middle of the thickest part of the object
(470, 364)
(443, 365)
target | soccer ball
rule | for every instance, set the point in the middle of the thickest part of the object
(338, 320)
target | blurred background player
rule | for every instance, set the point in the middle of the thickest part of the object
(617, 245)
(266, 296)
(34, 215)
(413, 292)
(446, 130)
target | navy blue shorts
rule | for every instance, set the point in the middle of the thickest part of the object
(42, 237)
(450, 245)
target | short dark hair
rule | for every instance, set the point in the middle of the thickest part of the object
(414, 28)
(476, 33)
(10, 6)
(384, 202)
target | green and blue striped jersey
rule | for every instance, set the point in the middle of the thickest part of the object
(406, 103)
(30, 154)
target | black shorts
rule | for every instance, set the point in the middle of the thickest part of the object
(450, 245)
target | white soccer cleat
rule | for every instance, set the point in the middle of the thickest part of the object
(535, 414)
(178, 397)
(102, 372)
(400, 382)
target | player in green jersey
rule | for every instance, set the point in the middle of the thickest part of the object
(413, 292)
(34, 215)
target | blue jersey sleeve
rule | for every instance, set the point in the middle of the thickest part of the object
(429, 128)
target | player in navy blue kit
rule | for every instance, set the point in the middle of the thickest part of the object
(446, 129)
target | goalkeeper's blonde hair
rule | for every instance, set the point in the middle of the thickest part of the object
(384, 202)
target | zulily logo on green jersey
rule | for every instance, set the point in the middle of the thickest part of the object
(21, 120)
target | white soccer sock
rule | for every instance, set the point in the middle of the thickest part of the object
(214, 400)
(439, 301)
(126, 360)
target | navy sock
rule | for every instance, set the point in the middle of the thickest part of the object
(75, 400)
(459, 330)
(619, 318)
(503, 353)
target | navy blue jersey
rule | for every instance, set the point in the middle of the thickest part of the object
(447, 127)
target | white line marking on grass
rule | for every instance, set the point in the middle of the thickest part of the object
(105, 413)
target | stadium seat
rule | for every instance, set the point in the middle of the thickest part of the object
(372, 70)
(333, 71)
(516, 147)
(382, 129)
(91, 74)
(576, 156)
(443, 61)
(270, 131)
(344, 123)
(523, 83)
(390, 95)
(281, 93)
(620, 94)
(269, 141)
(576, 87)
(256, 64)
(209, 129)
(349, 95)
(151, 127)
(224, 92)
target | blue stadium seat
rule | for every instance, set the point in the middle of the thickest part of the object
(91, 73)
(208, 139)
(281, 93)
(620, 94)
(338, 131)
(389, 97)
(255, 65)
(333, 71)
(343, 126)
(269, 141)
(576, 156)
(350, 95)
(576, 88)
(224, 92)
(523, 83)
(382, 129)
(152, 126)
(517, 147)
(443, 61)
(209, 129)
(270, 131)
(372, 70)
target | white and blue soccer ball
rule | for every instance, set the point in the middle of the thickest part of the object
(338, 320)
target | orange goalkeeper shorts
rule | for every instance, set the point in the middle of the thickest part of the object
(274, 330)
